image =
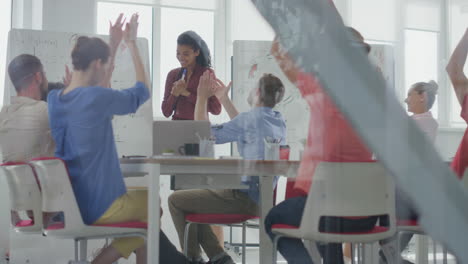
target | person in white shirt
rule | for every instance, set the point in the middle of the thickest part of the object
(420, 100)
(24, 123)
(421, 97)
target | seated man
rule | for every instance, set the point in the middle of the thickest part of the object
(249, 130)
(24, 129)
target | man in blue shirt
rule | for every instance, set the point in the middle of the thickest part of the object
(249, 130)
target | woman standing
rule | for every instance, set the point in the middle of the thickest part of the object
(180, 94)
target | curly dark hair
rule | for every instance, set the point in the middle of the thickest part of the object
(192, 39)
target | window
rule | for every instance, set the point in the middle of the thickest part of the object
(5, 25)
(109, 12)
(421, 59)
(382, 13)
(247, 23)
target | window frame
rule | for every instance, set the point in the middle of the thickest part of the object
(443, 89)
(445, 113)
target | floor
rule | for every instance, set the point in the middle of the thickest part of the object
(235, 252)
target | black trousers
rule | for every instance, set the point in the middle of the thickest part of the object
(293, 250)
(168, 253)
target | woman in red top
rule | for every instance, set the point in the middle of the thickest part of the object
(180, 94)
(460, 85)
(330, 138)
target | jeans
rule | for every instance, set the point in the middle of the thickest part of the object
(293, 250)
(185, 202)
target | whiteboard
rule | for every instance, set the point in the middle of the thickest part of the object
(133, 133)
(252, 59)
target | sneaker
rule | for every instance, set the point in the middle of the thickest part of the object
(226, 259)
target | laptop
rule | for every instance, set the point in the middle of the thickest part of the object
(170, 135)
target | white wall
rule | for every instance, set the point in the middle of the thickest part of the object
(69, 16)
(56, 15)
(447, 142)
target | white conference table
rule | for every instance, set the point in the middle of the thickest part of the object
(155, 167)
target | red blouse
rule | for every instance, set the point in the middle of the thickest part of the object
(183, 107)
(460, 161)
(330, 136)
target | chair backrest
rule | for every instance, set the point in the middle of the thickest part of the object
(25, 194)
(57, 192)
(348, 189)
(465, 179)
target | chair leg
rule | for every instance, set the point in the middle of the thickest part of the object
(445, 254)
(434, 252)
(352, 254)
(186, 234)
(83, 249)
(359, 253)
(313, 251)
(363, 254)
(244, 227)
(275, 248)
(422, 249)
(397, 248)
(76, 249)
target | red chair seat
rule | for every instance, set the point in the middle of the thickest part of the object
(142, 225)
(284, 226)
(375, 230)
(56, 226)
(218, 218)
(407, 223)
(24, 223)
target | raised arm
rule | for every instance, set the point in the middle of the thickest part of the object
(222, 93)
(204, 91)
(130, 37)
(455, 68)
(285, 63)
(115, 37)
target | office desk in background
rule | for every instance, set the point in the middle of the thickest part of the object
(155, 167)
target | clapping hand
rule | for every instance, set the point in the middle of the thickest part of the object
(285, 62)
(68, 76)
(206, 85)
(179, 88)
(116, 33)
(131, 29)
(220, 90)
